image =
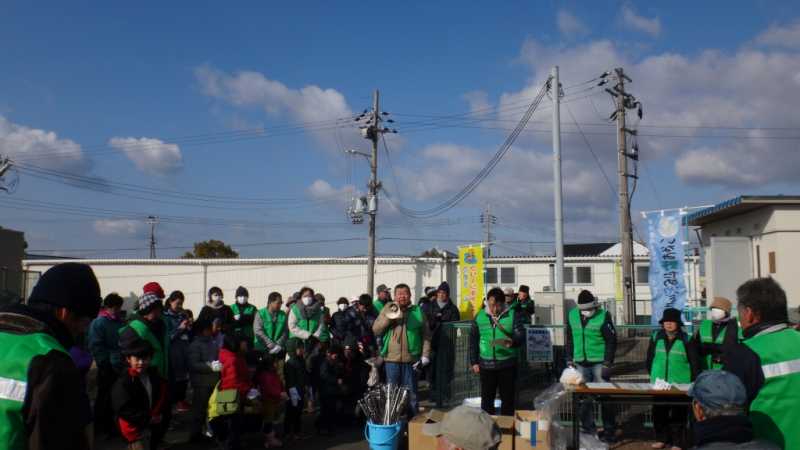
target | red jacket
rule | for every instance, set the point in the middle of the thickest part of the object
(269, 383)
(235, 374)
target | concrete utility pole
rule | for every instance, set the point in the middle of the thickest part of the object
(488, 219)
(152, 221)
(373, 133)
(625, 227)
(555, 92)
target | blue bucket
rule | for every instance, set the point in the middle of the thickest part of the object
(382, 437)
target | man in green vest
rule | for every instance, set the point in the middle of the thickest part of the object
(406, 341)
(496, 335)
(715, 334)
(243, 315)
(270, 327)
(384, 297)
(43, 401)
(591, 342)
(763, 313)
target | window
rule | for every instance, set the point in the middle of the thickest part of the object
(491, 275)
(578, 275)
(507, 275)
(642, 274)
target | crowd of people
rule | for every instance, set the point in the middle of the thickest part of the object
(248, 365)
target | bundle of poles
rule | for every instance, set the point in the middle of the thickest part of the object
(384, 404)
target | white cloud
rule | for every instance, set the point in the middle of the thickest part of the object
(322, 190)
(786, 36)
(640, 23)
(150, 155)
(711, 166)
(478, 101)
(311, 105)
(569, 25)
(41, 148)
(117, 227)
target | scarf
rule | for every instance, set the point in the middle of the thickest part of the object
(106, 313)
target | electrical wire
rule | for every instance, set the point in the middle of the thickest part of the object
(591, 150)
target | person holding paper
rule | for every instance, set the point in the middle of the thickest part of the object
(671, 358)
(591, 342)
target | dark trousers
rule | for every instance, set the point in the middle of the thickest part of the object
(228, 431)
(593, 372)
(178, 389)
(200, 396)
(503, 380)
(669, 422)
(292, 419)
(103, 413)
(327, 412)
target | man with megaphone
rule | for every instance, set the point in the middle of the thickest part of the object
(406, 341)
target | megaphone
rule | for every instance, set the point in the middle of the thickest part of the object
(393, 311)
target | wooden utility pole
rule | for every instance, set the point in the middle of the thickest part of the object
(373, 134)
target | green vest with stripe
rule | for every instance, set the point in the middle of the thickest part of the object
(16, 353)
(414, 325)
(247, 310)
(312, 323)
(774, 412)
(588, 344)
(272, 328)
(160, 358)
(378, 305)
(673, 365)
(707, 337)
(489, 333)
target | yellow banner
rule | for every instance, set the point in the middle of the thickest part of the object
(470, 271)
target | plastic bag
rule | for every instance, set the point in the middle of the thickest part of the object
(374, 375)
(571, 377)
(591, 442)
(548, 404)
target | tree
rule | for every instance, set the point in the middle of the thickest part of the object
(211, 249)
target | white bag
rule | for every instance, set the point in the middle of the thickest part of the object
(571, 377)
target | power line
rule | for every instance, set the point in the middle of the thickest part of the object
(591, 150)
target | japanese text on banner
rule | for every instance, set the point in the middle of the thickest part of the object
(470, 271)
(667, 267)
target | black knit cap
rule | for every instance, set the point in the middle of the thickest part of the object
(671, 315)
(69, 285)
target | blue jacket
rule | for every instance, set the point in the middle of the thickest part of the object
(103, 341)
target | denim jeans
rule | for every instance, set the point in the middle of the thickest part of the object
(403, 374)
(594, 373)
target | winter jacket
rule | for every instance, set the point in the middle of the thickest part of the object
(235, 374)
(222, 312)
(258, 330)
(743, 362)
(691, 350)
(728, 433)
(330, 373)
(179, 341)
(133, 408)
(517, 339)
(609, 337)
(202, 351)
(52, 412)
(270, 385)
(306, 312)
(398, 344)
(342, 326)
(103, 341)
(295, 374)
(437, 316)
(362, 326)
(716, 350)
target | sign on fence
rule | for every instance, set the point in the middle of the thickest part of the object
(539, 344)
(470, 271)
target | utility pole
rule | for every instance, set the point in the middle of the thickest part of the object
(555, 92)
(152, 221)
(373, 134)
(488, 219)
(625, 101)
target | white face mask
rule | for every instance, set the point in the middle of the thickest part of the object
(307, 300)
(587, 313)
(216, 299)
(241, 299)
(342, 307)
(717, 314)
(441, 304)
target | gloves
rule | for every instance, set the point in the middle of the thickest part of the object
(253, 394)
(294, 396)
(216, 366)
(237, 317)
(425, 361)
(276, 349)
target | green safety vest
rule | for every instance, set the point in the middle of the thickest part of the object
(489, 333)
(378, 305)
(247, 310)
(413, 333)
(160, 358)
(16, 353)
(672, 366)
(707, 337)
(312, 324)
(271, 328)
(774, 412)
(588, 344)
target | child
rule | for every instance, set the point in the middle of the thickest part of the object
(331, 388)
(235, 375)
(296, 377)
(139, 397)
(272, 397)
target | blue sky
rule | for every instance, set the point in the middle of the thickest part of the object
(161, 96)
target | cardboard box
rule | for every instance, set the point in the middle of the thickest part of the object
(530, 432)
(419, 441)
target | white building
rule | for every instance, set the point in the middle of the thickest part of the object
(587, 266)
(748, 237)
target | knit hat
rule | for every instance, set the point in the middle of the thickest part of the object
(241, 291)
(444, 287)
(381, 288)
(69, 285)
(586, 300)
(722, 303)
(132, 345)
(525, 289)
(148, 302)
(430, 291)
(671, 315)
(153, 288)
